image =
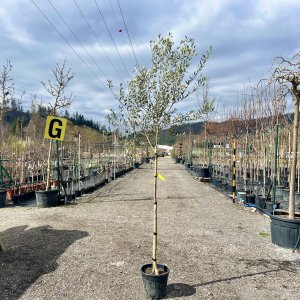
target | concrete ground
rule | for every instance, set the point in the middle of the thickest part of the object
(95, 249)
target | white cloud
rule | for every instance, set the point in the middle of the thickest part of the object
(10, 29)
(245, 35)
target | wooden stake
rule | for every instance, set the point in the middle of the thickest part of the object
(154, 248)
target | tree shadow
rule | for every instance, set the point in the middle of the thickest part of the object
(270, 265)
(175, 290)
(31, 253)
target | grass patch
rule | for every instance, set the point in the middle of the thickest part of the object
(263, 234)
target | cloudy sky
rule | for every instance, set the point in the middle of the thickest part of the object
(246, 35)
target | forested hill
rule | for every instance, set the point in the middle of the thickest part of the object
(18, 116)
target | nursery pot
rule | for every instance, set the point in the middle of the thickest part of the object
(136, 165)
(155, 285)
(261, 201)
(250, 199)
(203, 172)
(285, 232)
(2, 197)
(46, 198)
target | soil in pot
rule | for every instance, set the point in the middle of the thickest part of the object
(155, 285)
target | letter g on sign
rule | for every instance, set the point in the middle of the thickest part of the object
(55, 128)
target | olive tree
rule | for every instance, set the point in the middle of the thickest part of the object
(152, 95)
(287, 74)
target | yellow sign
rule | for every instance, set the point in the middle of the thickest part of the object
(55, 128)
(161, 177)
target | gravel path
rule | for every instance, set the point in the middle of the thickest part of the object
(94, 249)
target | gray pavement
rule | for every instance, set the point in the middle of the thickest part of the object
(95, 249)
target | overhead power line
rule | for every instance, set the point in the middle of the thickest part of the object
(77, 54)
(94, 34)
(127, 32)
(111, 37)
(78, 40)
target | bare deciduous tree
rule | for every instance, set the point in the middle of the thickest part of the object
(7, 89)
(287, 74)
(56, 89)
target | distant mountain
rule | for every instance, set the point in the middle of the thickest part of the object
(169, 136)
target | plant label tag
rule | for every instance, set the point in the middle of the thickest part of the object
(161, 177)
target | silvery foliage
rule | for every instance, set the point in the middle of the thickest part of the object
(148, 103)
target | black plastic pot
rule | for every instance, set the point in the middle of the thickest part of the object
(46, 198)
(177, 160)
(2, 197)
(136, 165)
(261, 202)
(78, 193)
(285, 232)
(250, 198)
(203, 172)
(155, 285)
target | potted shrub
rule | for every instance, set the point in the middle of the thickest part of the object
(285, 229)
(48, 197)
(151, 98)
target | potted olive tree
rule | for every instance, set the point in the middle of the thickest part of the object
(56, 89)
(151, 97)
(285, 230)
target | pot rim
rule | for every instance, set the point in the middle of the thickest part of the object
(49, 191)
(277, 217)
(153, 275)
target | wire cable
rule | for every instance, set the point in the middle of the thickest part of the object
(111, 37)
(82, 60)
(127, 32)
(94, 34)
(75, 36)
(118, 25)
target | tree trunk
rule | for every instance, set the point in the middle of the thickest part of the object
(154, 248)
(294, 161)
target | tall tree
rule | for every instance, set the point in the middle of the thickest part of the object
(287, 74)
(152, 95)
